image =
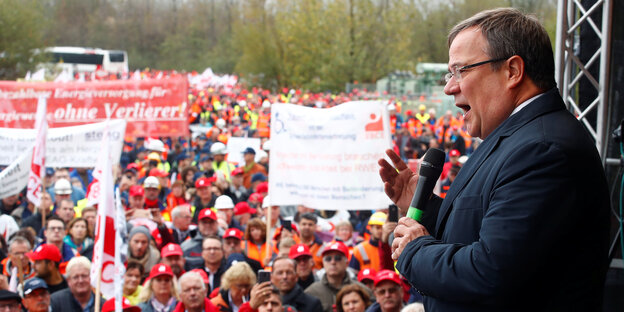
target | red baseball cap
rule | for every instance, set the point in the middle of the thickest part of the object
(109, 306)
(171, 249)
(136, 190)
(207, 213)
(233, 232)
(454, 153)
(366, 274)
(336, 246)
(158, 173)
(256, 197)
(45, 252)
(242, 208)
(299, 250)
(159, 270)
(204, 182)
(203, 275)
(238, 171)
(262, 187)
(387, 275)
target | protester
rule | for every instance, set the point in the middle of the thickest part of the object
(173, 256)
(388, 292)
(204, 198)
(206, 226)
(78, 296)
(214, 260)
(159, 294)
(126, 306)
(284, 277)
(193, 294)
(255, 242)
(140, 249)
(232, 244)
(78, 236)
(132, 282)
(335, 277)
(308, 227)
(507, 221)
(366, 254)
(251, 167)
(18, 250)
(36, 296)
(47, 259)
(10, 301)
(305, 265)
(34, 221)
(236, 284)
(352, 298)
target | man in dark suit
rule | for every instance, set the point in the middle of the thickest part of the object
(525, 225)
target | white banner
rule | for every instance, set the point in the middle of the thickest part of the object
(236, 146)
(327, 158)
(14, 178)
(76, 146)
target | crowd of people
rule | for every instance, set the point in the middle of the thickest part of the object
(200, 227)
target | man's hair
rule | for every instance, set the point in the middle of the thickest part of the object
(292, 261)
(509, 32)
(175, 212)
(76, 262)
(66, 200)
(310, 216)
(190, 275)
(215, 237)
(19, 240)
(88, 209)
(52, 218)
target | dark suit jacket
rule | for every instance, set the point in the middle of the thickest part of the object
(525, 225)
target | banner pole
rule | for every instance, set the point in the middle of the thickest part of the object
(268, 232)
(97, 290)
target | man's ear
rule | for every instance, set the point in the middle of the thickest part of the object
(515, 71)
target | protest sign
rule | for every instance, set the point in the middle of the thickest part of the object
(327, 158)
(153, 107)
(76, 146)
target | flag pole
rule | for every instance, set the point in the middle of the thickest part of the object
(97, 290)
(268, 232)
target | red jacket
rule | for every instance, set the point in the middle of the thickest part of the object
(208, 306)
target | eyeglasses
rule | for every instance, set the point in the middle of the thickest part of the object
(336, 258)
(456, 71)
(212, 249)
(9, 306)
(383, 291)
(56, 228)
(80, 276)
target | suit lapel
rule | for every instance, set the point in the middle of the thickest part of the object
(548, 102)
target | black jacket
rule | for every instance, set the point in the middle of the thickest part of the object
(64, 301)
(301, 301)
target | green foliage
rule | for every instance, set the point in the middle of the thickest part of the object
(313, 44)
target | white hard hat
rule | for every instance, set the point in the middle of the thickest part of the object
(220, 123)
(224, 202)
(151, 182)
(266, 202)
(218, 148)
(259, 155)
(62, 187)
(391, 107)
(266, 104)
(242, 103)
(267, 145)
(155, 145)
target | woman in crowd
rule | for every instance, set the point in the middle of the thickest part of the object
(78, 236)
(344, 233)
(352, 298)
(236, 284)
(132, 281)
(159, 293)
(255, 241)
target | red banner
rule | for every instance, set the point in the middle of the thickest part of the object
(155, 107)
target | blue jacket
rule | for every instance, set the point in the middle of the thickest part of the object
(527, 214)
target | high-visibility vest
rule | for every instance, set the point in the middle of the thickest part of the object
(225, 167)
(263, 125)
(256, 252)
(367, 255)
(317, 254)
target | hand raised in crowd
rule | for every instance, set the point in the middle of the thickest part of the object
(386, 229)
(4, 282)
(259, 293)
(399, 185)
(406, 231)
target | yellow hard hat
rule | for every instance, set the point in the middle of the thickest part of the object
(378, 218)
(153, 156)
(422, 107)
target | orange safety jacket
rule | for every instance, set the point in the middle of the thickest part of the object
(263, 125)
(367, 255)
(256, 252)
(6, 269)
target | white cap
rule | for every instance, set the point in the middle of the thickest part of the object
(224, 202)
(155, 145)
(266, 104)
(260, 154)
(266, 202)
(151, 182)
(218, 148)
(391, 107)
(242, 103)
(220, 123)
(62, 187)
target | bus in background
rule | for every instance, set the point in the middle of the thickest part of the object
(82, 60)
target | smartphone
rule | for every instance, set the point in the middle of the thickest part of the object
(287, 225)
(264, 276)
(393, 213)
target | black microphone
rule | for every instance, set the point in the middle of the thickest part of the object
(430, 170)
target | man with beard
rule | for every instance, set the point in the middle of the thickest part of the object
(78, 296)
(140, 249)
(47, 259)
(173, 257)
(284, 277)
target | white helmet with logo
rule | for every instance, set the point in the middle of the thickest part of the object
(218, 148)
(224, 202)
